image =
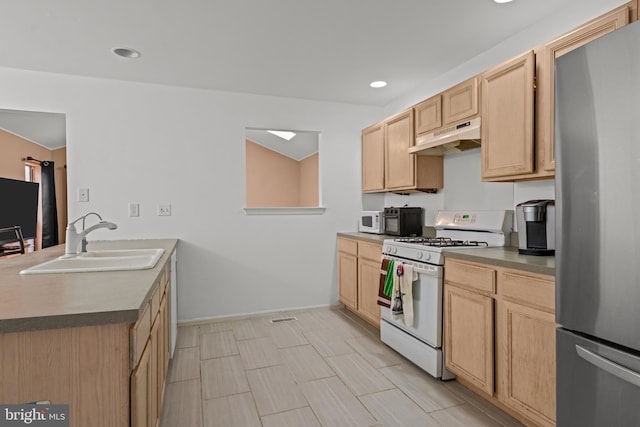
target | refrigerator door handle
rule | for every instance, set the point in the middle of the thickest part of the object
(607, 365)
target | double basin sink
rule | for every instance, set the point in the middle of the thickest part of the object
(102, 260)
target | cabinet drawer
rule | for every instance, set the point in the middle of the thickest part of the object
(470, 276)
(348, 246)
(139, 335)
(370, 251)
(535, 291)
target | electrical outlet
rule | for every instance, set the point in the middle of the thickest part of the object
(83, 194)
(164, 210)
(134, 209)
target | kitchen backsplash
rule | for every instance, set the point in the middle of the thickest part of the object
(463, 189)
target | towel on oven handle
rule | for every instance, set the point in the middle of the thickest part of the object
(386, 282)
(402, 297)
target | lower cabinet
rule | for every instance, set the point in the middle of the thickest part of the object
(148, 378)
(499, 327)
(469, 336)
(359, 277)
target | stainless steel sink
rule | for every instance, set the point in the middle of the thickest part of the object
(106, 260)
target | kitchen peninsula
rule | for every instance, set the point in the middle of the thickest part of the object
(97, 341)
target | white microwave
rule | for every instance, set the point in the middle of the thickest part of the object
(371, 222)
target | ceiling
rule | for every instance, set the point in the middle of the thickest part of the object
(303, 144)
(46, 129)
(323, 50)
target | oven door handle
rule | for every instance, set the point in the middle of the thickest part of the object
(429, 272)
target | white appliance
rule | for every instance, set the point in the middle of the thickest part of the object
(371, 222)
(421, 342)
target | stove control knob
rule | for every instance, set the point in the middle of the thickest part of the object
(427, 256)
(420, 255)
(395, 251)
(387, 249)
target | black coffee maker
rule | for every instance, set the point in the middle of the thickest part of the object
(536, 221)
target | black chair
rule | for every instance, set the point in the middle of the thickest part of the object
(12, 245)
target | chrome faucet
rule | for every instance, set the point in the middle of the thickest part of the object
(75, 239)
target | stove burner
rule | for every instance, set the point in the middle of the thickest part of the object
(440, 242)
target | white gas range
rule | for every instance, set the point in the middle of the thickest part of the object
(421, 340)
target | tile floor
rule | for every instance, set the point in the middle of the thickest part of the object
(327, 368)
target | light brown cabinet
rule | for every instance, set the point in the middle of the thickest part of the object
(110, 374)
(359, 277)
(348, 273)
(499, 327)
(508, 118)
(428, 115)
(400, 166)
(448, 108)
(369, 260)
(149, 375)
(460, 102)
(518, 104)
(395, 169)
(469, 336)
(598, 27)
(373, 158)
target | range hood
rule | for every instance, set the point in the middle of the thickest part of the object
(461, 137)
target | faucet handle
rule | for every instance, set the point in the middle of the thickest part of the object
(84, 244)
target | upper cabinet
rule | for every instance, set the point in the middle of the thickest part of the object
(507, 118)
(515, 101)
(373, 158)
(386, 163)
(450, 107)
(518, 104)
(460, 102)
(399, 172)
(428, 115)
(607, 23)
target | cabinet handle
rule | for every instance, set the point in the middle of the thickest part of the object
(607, 365)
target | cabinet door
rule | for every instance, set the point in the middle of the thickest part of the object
(348, 280)
(607, 23)
(369, 260)
(140, 391)
(154, 380)
(428, 115)
(468, 329)
(460, 102)
(507, 118)
(399, 164)
(530, 362)
(373, 158)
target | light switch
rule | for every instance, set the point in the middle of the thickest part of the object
(134, 209)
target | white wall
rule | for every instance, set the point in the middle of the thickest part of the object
(155, 144)
(462, 186)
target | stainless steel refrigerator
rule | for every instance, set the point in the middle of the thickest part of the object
(597, 137)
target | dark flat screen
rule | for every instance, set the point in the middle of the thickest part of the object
(18, 206)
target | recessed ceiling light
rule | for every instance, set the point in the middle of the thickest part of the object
(126, 52)
(378, 84)
(503, 1)
(282, 134)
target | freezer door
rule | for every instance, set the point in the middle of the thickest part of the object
(598, 188)
(596, 385)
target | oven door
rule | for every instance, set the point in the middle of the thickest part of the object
(427, 304)
(392, 225)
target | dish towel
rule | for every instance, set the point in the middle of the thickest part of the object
(402, 300)
(386, 274)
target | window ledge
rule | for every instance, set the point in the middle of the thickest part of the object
(285, 211)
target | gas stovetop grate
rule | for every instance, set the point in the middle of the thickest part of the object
(440, 242)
